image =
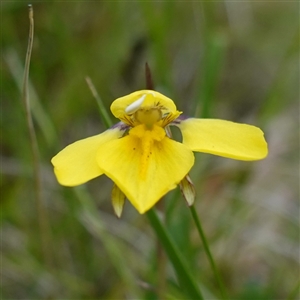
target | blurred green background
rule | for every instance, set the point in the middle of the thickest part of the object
(231, 60)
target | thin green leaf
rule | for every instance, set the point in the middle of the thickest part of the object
(185, 279)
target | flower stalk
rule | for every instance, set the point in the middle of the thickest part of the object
(208, 253)
(184, 276)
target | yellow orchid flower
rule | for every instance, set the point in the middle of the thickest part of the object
(139, 155)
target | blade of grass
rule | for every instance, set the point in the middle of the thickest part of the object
(103, 112)
(208, 253)
(41, 212)
(185, 278)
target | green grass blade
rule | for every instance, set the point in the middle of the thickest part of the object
(208, 253)
(185, 278)
(103, 112)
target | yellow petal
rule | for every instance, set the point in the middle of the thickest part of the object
(224, 138)
(145, 165)
(143, 98)
(77, 163)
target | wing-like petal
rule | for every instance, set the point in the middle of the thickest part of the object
(143, 98)
(76, 164)
(224, 138)
(145, 165)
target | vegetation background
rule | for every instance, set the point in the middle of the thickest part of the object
(230, 60)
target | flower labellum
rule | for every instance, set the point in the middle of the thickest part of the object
(142, 160)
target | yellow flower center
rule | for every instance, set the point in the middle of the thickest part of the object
(145, 107)
(148, 116)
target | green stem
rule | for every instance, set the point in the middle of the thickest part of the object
(103, 112)
(208, 253)
(184, 277)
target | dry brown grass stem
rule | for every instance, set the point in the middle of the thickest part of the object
(43, 222)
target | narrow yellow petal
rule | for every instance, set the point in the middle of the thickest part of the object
(145, 165)
(140, 99)
(224, 138)
(76, 164)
